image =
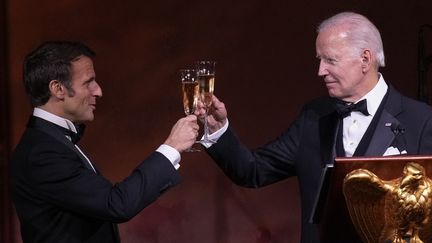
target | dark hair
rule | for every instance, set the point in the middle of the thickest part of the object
(51, 61)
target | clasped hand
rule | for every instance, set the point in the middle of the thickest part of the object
(183, 133)
(216, 114)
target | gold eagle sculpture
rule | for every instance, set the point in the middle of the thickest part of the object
(394, 211)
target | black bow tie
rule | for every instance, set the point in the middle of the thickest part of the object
(75, 137)
(344, 109)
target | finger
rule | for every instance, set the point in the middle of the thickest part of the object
(192, 118)
(217, 103)
(197, 112)
(195, 127)
(200, 104)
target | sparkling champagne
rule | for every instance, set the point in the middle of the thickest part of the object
(190, 96)
(206, 86)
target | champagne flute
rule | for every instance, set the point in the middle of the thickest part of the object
(190, 90)
(206, 79)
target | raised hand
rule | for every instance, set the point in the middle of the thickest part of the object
(217, 114)
(183, 133)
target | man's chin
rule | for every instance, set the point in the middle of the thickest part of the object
(88, 118)
(332, 94)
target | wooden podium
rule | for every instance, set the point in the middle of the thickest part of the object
(330, 211)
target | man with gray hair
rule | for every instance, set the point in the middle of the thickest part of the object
(363, 116)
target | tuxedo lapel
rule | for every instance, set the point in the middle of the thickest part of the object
(52, 130)
(383, 136)
(328, 126)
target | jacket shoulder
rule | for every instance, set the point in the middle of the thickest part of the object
(320, 106)
(408, 104)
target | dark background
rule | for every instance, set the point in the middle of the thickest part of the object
(266, 70)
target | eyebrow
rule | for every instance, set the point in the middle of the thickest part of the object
(89, 80)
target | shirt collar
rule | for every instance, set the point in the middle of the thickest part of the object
(48, 116)
(376, 95)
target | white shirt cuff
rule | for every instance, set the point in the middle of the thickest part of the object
(216, 135)
(171, 154)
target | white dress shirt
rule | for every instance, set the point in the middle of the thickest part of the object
(356, 124)
(169, 152)
(216, 135)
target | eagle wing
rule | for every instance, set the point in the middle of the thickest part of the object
(365, 195)
(426, 231)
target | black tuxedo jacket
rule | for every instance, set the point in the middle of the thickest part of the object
(308, 144)
(59, 199)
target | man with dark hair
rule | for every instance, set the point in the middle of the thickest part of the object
(52, 61)
(59, 194)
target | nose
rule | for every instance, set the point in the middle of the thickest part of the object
(322, 70)
(97, 91)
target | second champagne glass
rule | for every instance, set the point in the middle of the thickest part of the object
(190, 90)
(206, 79)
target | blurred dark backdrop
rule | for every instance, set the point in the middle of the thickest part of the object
(266, 70)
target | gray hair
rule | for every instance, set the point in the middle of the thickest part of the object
(361, 32)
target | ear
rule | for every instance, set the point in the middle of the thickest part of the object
(57, 89)
(366, 59)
